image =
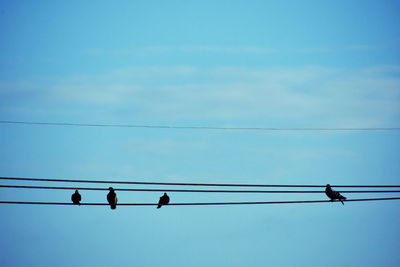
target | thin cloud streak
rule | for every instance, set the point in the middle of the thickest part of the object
(233, 50)
(157, 50)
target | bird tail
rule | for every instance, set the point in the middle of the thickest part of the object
(159, 206)
(113, 206)
(341, 198)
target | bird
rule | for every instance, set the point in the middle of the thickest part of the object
(332, 194)
(112, 198)
(76, 198)
(164, 200)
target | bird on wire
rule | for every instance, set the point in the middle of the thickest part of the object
(76, 198)
(332, 194)
(164, 200)
(112, 198)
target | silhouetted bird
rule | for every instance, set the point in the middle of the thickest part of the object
(332, 194)
(164, 200)
(112, 198)
(76, 198)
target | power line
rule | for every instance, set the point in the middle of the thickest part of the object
(183, 184)
(185, 190)
(206, 127)
(199, 204)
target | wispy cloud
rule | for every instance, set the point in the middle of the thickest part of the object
(156, 50)
(304, 96)
(363, 47)
(232, 50)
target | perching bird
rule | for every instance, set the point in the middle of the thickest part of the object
(112, 198)
(332, 194)
(164, 200)
(76, 198)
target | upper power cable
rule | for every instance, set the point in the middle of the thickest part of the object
(206, 127)
(183, 184)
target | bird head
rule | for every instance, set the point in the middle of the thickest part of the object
(76, 191)
(328, 185)
(111, 189)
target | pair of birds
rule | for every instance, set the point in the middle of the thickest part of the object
(112, 199)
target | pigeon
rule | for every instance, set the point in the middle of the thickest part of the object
(112, 198)
(332, 194)
(164, 200)
(76, 198)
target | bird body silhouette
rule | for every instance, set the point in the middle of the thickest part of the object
(332, 194)
(76, 198)
(112, 198)
(164, 200)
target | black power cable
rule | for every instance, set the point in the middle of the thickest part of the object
(201, 203)
(186, 190)
(207, 127)
(183, 184)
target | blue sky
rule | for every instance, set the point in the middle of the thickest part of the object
(196, 63)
